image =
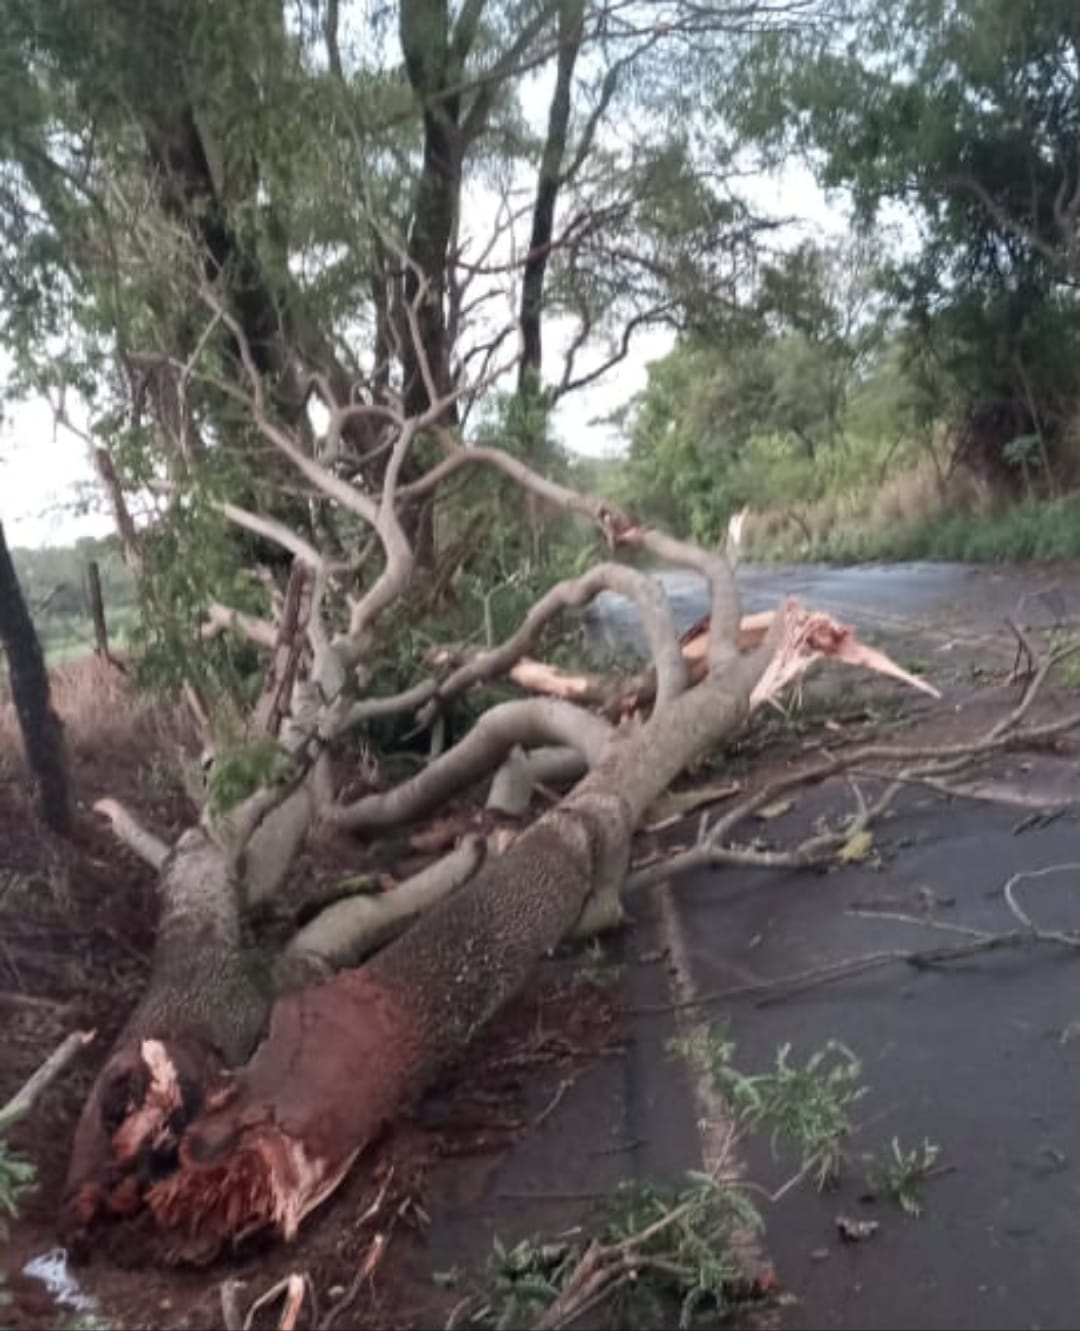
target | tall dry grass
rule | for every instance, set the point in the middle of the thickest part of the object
(861, 522)
(103, 713)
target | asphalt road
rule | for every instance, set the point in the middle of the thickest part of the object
(980, 1057)
(901, 597)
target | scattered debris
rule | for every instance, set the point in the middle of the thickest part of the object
(52, 1269)
(776, 809)
(856, 1231)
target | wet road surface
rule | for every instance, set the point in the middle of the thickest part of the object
(980, 1057)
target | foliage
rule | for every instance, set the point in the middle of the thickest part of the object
(903, 1172)
(17, 1176)
(806, 1108)
(524, 1280)
(679, 1248)
(689, 1263)
(242, 768)
(761, 417)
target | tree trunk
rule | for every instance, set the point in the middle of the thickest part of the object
(433, 71)
(549, 178)
(42, 730)
(97, 609)
(204, 1010)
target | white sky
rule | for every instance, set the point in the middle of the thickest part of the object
(45, 471)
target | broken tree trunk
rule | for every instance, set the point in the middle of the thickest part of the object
(204, 1009)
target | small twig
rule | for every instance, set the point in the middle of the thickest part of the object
(783, 987)
(555, 1100)
(24, 1099)
(541, 1196)
(924, 921)
(1024, 651)
(371, 1263)
(1041, 935)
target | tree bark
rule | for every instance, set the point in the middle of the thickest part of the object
(433, 64)
(549, 179)
(42, 730)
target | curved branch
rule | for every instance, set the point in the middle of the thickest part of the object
(221, 618)
(459, 456)
(274, 531)
(400, 558)
(332, 486)
(350, 930)
(715, 567)
(513, 784)
(131, 832)
(645, 592)
(618, 528)
(528, 723)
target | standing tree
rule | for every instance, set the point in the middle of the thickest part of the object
(968, 115)
(42, 730)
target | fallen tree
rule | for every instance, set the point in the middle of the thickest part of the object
(245, 1085)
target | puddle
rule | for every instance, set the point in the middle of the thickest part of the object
(51, 1268)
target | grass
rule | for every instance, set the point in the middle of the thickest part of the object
(101, 711)
(1026, 532)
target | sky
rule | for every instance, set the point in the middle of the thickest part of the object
(46, 473)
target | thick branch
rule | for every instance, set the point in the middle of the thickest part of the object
(127, 829)
(646, 593)
(394, 704)
(223, 619)
(528, 723)
(275, 531)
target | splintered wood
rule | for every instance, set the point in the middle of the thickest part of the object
(809, 636)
